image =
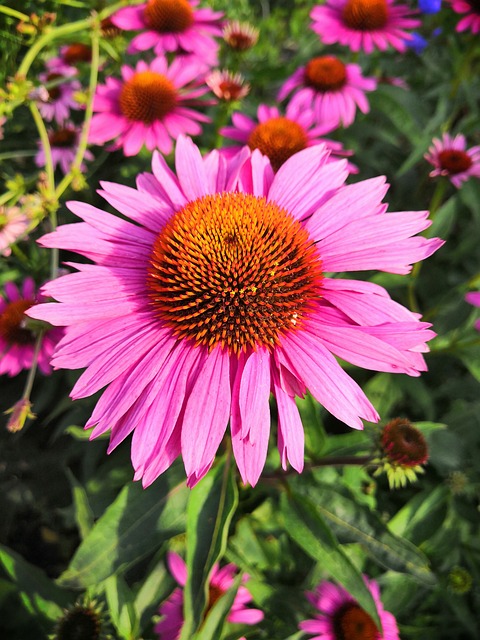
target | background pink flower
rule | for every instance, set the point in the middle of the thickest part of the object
(474, 298)
(451, 158)
(13, 225)
(63, 145)
(471, 21)
(172, 25)
(213, 295)
(364, 24)
(332, 89)
(222, 579)
(17, 339)
(59, 98)
(340, 617)
(278, 137)
(150, 105)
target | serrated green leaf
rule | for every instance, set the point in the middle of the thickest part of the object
(211, 506)
(135, 524)
(308, 529)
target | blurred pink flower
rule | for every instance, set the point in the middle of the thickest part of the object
(340, 617)
(227, 86)
(240, 36)
(13, 226)
(277, 137)
(364, 24)
(58, 100)
(214, 294)
(171, 26)
(170, 626)
(452, 159)
(474, 298)
(332, 89)
(3, 120)
(149, 105)
(64, 145)
(471, 21)
(17, 336)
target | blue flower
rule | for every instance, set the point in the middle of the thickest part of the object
(416, 42)
(430, 6)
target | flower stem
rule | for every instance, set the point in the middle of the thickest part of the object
(82, 145)
(14, 13)
(46, 148)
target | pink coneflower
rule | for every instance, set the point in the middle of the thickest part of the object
(18, 334)
(227, 86)
(70, 56)
(214, 296)
(364, 24)
(474, 298)
(332, 89)
(149, 105)
(58, 99)
(451, 158)
(170, 626)
(472, 20)
(171, 25)
(340, 617)
(64, 145)
(240, 36)
(277, 136)
(13, 226)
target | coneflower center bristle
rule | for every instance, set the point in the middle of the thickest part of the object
(234, 270)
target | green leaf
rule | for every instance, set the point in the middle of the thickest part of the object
(422, 515)
(354, 522)
(308, 529)
(135, 524)
(210, 509)
(212, 627)
(83, 514)
(38, 593)
(121, 607)
(383, 393)
(154, 589)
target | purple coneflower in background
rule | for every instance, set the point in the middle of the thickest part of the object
(451, 158)
(471, 19)
(17, 337)
(474, 298)
(64, 145)
(13, 226)
(149, 105)
(170, 26)
(332, 89)
(340, 617)
(222, 579)
(277, 137)
(364, 24)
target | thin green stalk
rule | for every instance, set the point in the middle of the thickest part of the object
(435, 203)
(33, 369)
(82, 145)
(14, 13)
(65, 30)
(46, 147)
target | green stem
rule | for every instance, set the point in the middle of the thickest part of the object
(66, 30)
(33, 369)
(333, 461)
(14, 13)
(46, 147)
(83, 141)
(435, 203)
